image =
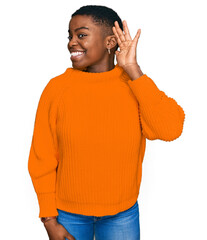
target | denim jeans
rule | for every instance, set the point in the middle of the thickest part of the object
(121, 226)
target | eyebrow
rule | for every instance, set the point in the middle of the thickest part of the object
(79, 28)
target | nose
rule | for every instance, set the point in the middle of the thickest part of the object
(72, 42)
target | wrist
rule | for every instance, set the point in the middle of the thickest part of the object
(130, 65)
(46, 219)
(134, 71)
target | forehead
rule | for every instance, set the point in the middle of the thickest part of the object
(79, 21)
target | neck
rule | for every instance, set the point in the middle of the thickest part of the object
(100, 67)
(99, 70)
(83, 76)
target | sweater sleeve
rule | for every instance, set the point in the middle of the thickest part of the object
(43, 155)
(160, 116)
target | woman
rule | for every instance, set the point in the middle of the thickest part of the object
(90, 132)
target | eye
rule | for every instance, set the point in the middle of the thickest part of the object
(69, 37)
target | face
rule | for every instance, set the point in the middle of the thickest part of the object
(89, 41)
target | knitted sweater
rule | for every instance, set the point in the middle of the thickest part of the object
(89, 140)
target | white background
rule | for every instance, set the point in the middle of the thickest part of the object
(171, 50)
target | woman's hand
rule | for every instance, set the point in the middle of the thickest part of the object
(127, 55)
(56, 231)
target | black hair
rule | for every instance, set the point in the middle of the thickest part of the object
(101, 16)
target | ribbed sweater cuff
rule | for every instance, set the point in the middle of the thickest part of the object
(47, 204)
(145, 90)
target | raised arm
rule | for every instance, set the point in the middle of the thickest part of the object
(161, 117)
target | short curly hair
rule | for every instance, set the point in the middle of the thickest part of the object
(101, 16)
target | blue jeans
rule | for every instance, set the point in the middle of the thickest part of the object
(121, 226)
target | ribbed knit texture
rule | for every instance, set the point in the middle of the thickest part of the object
(89, 140)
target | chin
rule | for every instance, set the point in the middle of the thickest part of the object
(76, 66)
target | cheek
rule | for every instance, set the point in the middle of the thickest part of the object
(95, 48)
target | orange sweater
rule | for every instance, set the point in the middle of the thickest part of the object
(89, 140)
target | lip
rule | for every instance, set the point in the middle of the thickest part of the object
(76, 50)
(78, 57)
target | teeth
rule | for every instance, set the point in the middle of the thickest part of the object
(76, 53)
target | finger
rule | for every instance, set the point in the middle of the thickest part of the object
(117, 36)
(126, 31)
(70, 237)
(119, 31)
(136, 38)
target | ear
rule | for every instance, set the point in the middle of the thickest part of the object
(111, 41)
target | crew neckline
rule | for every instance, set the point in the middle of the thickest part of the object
(99, 76)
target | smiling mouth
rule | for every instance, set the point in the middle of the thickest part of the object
(77, 55)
